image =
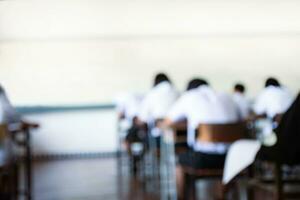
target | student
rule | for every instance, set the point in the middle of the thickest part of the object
(273, 100)
(191, 88)
(241, 100)
(8, 114)
(202, 105)
(158, 101)
(131, 133)
(127, 106)
(287, 148)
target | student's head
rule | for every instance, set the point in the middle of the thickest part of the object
(161, 77)
(272, 82)
(240, 88)
(196, 82)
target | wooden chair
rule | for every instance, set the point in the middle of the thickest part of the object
(279, 186)
(276, 185)
(8, 171)
(216, 133)
(180, 137)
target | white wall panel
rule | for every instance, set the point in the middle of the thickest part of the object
(75, 132)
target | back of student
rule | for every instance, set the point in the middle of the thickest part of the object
(274, 99)
(202, 105)
(205, 106)
(8, 114)
(158, 101)
(212, 107)
(241, 100)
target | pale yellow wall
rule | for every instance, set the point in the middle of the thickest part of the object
(81, 51)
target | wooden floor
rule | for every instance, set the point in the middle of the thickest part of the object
(85, 179)
(98, 179)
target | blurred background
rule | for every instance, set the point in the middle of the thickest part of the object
(63, 62)
(85, 52)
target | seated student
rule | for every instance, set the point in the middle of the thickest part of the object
(192, 86)
(241, 100)
(8, 113)
(127, 106)
(157, 102)
(202, 105)
(131, 133)
(273, 100)
(287, 147)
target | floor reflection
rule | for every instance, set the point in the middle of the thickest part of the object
(88, 179)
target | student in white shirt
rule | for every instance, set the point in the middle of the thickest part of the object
(127, 106)
(8, 114)
(158, 101)
(202, 105)
(273, 100)
(241, 100)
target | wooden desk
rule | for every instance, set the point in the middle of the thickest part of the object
(23, 129)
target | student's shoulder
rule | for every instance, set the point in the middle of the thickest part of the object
(191, 94)
(186, 96)
(224, 95)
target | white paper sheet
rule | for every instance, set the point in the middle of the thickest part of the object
(240, 155)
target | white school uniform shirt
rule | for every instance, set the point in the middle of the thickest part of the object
(129, 104)
(157, 102)
(272, 101)
(204, 106)
(243, 104)
(8, 114)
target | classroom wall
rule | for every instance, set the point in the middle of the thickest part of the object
(86, 51)
(74, 132)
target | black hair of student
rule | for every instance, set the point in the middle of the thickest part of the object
(239, 87)
(161, 77)
(272, 82)
(196, 82)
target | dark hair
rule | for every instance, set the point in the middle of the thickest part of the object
(239, 87)
(161, 77)
(272, 82)
(196, 82)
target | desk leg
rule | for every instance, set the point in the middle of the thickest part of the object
(28, 166)
(16, 181)
(278, 181)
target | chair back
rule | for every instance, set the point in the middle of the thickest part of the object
(180, 126)
(180, 131)
(3, 132)
(222, 133)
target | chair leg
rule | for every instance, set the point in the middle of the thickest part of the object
(231, 190)
(278, 181)
(250, 193)
(15, 181)
(224, 190)
(189, 187)
(249, 188)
